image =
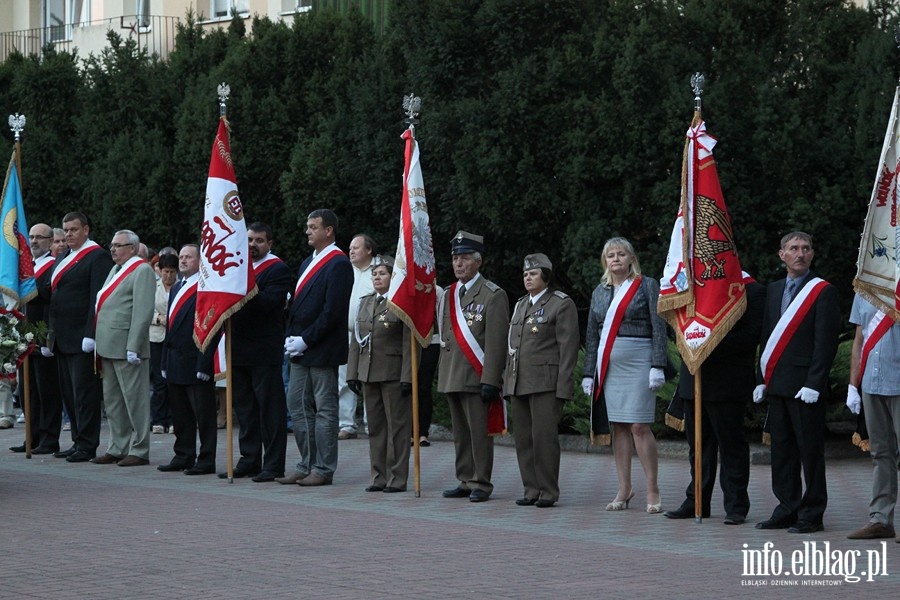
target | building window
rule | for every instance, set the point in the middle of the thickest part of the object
(223, 8)
(295, 6)
(142, 13)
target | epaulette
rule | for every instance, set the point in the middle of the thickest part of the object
(560, 294)
(491, 286)
(522, 298)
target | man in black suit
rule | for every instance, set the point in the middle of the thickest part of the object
(257, 352)
(78, 274)
(45, 401)
(793, 376)
(317, 344)
(728, 377)
(189, 375)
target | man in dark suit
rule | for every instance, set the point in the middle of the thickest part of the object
(189, 375)
(728, 378)
(45, 401)
(317, 344)
(78, 275)
(795, 381)
(257, 351)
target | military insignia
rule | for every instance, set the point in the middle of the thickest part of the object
(707, 250)
(479, 317)
(469, 322)
(387, 325)
(540, 319)
(534, 330)
(530, 320)
(382, 317)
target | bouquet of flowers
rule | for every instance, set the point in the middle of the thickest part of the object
(18, 338)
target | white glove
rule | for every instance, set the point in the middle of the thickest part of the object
(87, 345)
(657, 378)
(202, 376)
(45, 352)
(163, 373)
(133, 358)
(294, 346)
(587, 385)
(808, 395)
(759, 393)
(854, 402)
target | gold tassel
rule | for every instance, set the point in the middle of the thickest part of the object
(767, 438)
(674, 423)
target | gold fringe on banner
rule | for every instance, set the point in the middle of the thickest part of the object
(674, 422)
(767, 438)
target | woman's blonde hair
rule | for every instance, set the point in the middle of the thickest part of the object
(620, 242)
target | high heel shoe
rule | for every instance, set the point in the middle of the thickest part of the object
(655, 509)
(620, 504)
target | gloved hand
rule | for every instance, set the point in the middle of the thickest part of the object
(87, 345)
(587, 386)
(854, 402)
(45, 352)
(355, 386)
(808, 395)
(294, 346)
(759, 393)
(132, 357)
(657, 378)
(163, 373)
(203, 376)
(405, 389)
(489, 392)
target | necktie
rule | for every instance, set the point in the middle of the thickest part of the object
(788, 295)
(380, 299)
(462, 292)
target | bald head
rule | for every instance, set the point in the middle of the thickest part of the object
(40, 238)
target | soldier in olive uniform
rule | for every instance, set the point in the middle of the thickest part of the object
(473, 326)
(379, 367)
(543, 349)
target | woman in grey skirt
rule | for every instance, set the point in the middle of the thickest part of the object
(626, 351)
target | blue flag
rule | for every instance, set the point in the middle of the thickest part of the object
(16, 262)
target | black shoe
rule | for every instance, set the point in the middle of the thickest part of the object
(195, 470)
(774, 524)
(805, 527)
(172, 466)
(80, 456)
(456, 492)
(544, 503)
(65, 453)
(267, 476)
(374, 488)
(44, 450)
(526, 501)
(393, 490)
(685, 511)
(734, 519)
(479, 496)
(239, 473)
(18, 448)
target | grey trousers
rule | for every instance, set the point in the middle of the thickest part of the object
(312, 400)
(883, 423)
(126, 395)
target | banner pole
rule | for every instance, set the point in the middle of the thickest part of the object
(229, 425)
(413, 356)
(698, 449)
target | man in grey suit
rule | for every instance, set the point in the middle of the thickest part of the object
(124, 307)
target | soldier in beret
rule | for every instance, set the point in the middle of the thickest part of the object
(474, 317)
(543, 349)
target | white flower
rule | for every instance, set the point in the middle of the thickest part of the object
(9, 367)
(13, 321)
(29, 337)
(21, 348)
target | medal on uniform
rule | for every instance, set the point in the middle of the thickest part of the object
(530, 320)
(534, 330)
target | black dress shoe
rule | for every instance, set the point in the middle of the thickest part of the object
(479, 496)
(239, 473)
(393, 490)
(18, 448)
(374, 488)
(456, 492)
(734, 519)
(195, 470)
(544, 503)
(80, 456)
(44, 450)
(805, 527)
(65, 453)
(526, 501)
(172, 466)
(774, 524)
(266, 476)
(685, 511)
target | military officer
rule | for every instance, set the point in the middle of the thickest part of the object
(543, 349)
(473, 326)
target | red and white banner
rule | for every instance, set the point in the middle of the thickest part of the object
(226, 280)
(787, 325)
(702, 291)
(412, 294)
(877, 272)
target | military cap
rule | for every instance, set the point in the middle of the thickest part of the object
(466, 243)
(382, 259)
(537, 261)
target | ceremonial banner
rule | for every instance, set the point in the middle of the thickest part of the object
(702, 291)
(16, 263)
(227, 280)
(877, 276)
(412, 293)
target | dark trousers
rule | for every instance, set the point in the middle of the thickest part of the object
(427, 367)
(82, 395)
(474, 447)
(45, 402)
(159, 401)
(536, 432)
(722, 431)
(259, 403)
(798, 440)
(194, 412)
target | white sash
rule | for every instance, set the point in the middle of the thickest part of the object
(65, 263)
(789, 317)
(610, 327)
(190, 282)
(113, 282)
(311, 268)
(459, 322)
(42, 264)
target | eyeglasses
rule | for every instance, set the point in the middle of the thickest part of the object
(40, 237)
(117, 246)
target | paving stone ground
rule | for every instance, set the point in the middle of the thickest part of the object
(91, 531)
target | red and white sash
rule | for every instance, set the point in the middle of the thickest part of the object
(318, 261)
(787, 325)
(42, 265)
(110, 286)
(187, 290)
(71, 260)
(877, 327)
(611, 322)
(469, 346)
(264, 263)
